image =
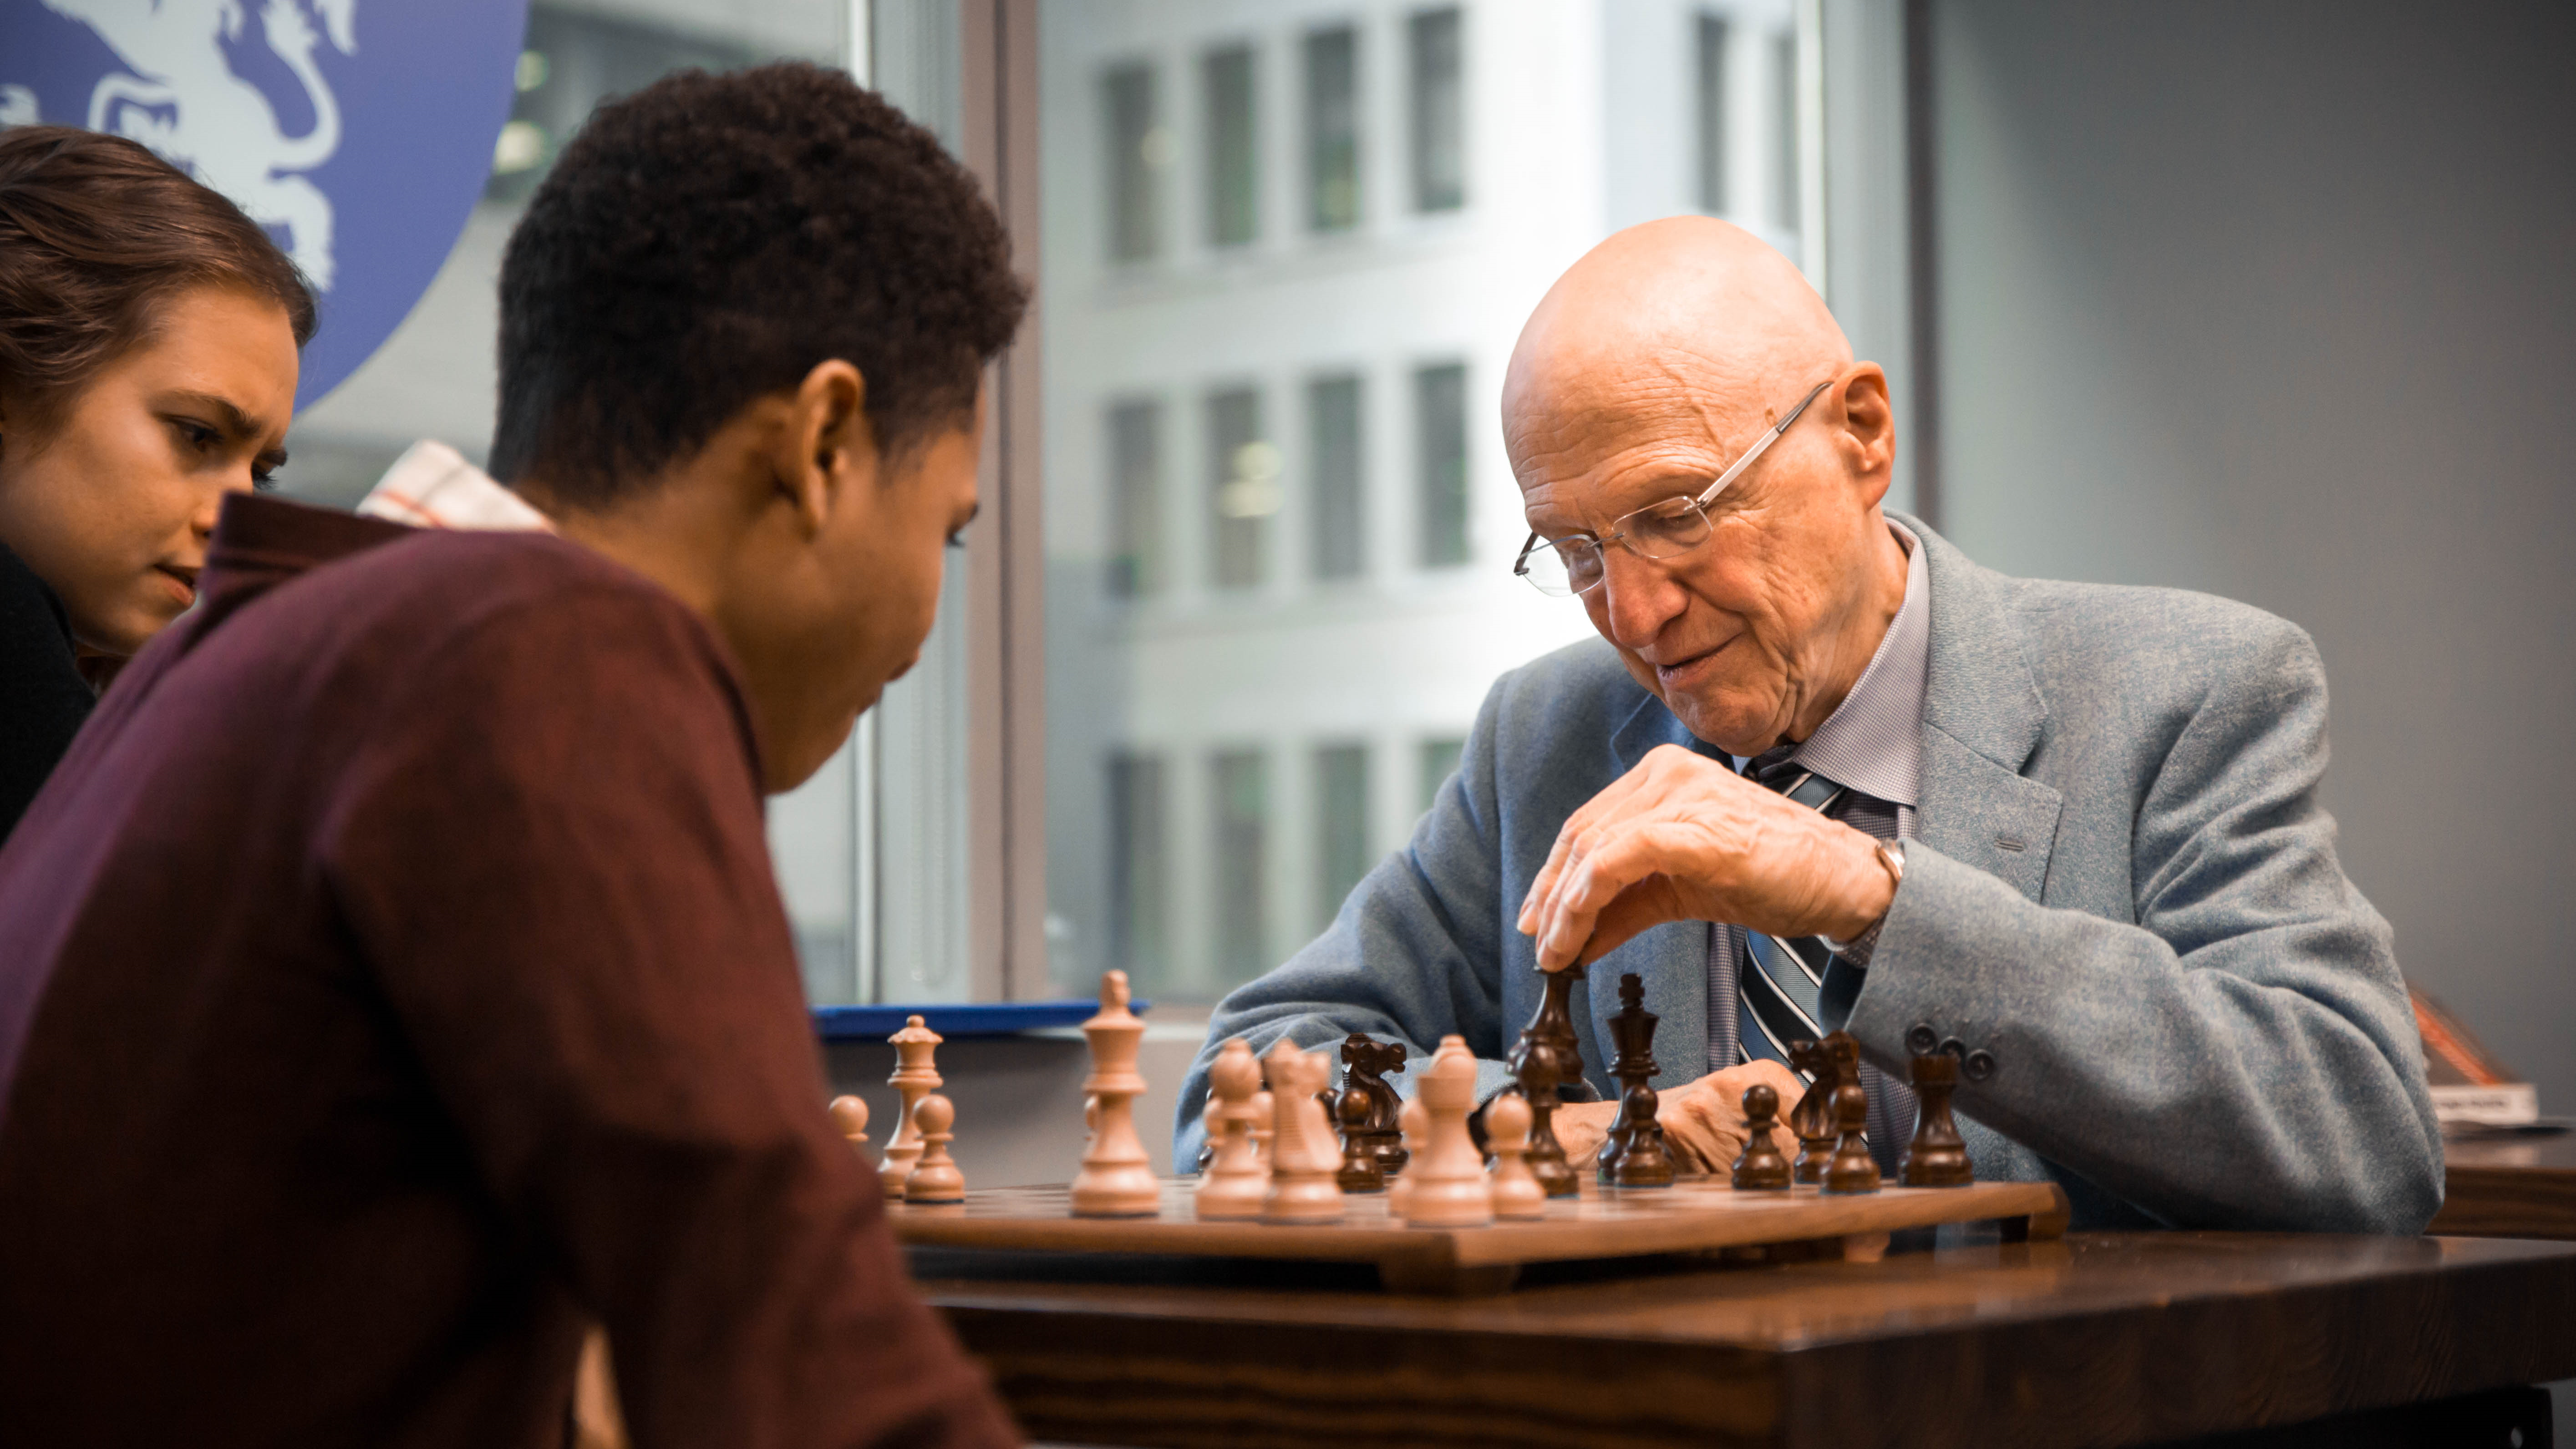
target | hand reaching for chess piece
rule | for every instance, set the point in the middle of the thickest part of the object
(1703, 1120)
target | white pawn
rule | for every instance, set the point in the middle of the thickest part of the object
(850, 1119)
(1415, 1124)
(914, 1077)
(1117, 1178)
(1449, 1177)
(1265, 1124)
(1235, 1182)
(1513, 1189)
(935, 1177)
(1303, 1154)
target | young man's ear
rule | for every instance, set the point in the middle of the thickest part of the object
(831, 443)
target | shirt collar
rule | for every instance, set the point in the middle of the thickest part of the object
(1873, 741)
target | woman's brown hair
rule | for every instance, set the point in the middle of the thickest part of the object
(95, 233)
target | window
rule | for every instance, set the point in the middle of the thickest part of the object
(1712, 132)
(1436, 760)
(1138, 152)
(1139, 870)
(1241, 889)
(1332, 61)
(1440, 429)
(1233, 156)
(1439, 111)
(1333, 454)
(1135, 499)
(1341, 826)
(1246, 493)
(1330, 594)
(1784, 131)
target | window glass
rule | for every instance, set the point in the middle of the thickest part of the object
(1138, 152)
(1438, 103)
(1233, 157)
(1279, 518)
(1333, 129)
(1711, 97)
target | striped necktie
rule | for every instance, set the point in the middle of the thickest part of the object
(1783, 982)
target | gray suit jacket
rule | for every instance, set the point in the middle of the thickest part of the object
(2123, 888)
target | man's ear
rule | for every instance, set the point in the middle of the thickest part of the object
(1866, 437)
(830, 449)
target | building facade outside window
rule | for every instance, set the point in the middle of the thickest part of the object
(1243, 469)
(1336, 460)
(1342, 853)
(1712, 32)
(1139, 150)
(1136, 498)
(1440, 436)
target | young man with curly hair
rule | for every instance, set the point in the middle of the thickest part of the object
(393, 978)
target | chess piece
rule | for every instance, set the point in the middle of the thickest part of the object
(1938, 1156)
(1812, 1120)
(1117, 1178)
(1508, 1184)
(914, 1077)
(1264, 1126)
(1235, 1180)
(1761, 1168)
(1634, 1155)
(1447, 1182)
(1366, 1064)
(1360, 1171)
(850, 1119)
(1414, 1123)
(934, 1178)
(1853, 1169)
(1547, 1055)
(1303, 1155)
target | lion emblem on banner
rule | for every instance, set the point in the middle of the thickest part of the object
(179, 95)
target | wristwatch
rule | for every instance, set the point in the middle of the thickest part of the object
(1858, 950)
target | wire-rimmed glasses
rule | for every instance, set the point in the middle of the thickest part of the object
(1573, 565)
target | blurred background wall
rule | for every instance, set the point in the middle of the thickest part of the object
(2275, 301)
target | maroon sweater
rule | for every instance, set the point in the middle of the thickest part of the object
(392, 974)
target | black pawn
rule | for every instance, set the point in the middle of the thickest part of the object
(1360, 1171)
(1938, 1156)
(1761, 1168)
(1852, 1170)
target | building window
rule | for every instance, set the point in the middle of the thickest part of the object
(1135, 499)
(1436, 760)
(1341, 826)
(1332, 62)
(1139, 149)
(1242, 796)
(1784, 130)
(1245, 469)
(1233, 148)
(1440, 431)
(1333, 452)
(1712, 114)
(1439, 110)
(1139, 867)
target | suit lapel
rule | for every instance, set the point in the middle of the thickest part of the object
(1983, 716)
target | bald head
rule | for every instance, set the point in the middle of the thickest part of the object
(1651, 366)
(1689, 312)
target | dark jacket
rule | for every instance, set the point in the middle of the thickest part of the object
(43, 698)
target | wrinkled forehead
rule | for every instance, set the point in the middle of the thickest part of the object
(1612, 422)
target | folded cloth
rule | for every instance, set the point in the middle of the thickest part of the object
(432, 486)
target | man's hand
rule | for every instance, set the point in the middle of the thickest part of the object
(1683, 838)
(1703, 1120)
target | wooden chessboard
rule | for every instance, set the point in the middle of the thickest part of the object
(1693, 1215)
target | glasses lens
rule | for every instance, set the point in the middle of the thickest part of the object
(1563, 568)
(1673, 526)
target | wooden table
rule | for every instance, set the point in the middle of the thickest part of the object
(2511, 1188)
(2123, 1338)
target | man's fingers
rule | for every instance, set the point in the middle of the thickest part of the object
(1612, 798)
(1609, 867)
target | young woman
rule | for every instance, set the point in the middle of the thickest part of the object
(148, 350)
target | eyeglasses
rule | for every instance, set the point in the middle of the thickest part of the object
(1573, 565)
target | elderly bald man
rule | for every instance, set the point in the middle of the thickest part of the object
(1822, 771)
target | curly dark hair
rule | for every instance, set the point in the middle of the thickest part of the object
(95, 233)
(712, 239)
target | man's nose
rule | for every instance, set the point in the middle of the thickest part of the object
(1638, 598)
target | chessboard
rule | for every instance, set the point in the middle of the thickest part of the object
(1695, 1214)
